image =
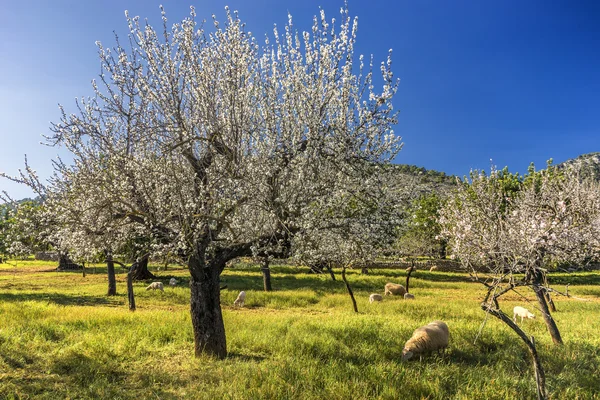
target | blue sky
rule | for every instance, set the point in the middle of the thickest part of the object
(511, 81)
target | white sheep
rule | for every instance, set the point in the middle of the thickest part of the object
(173, 282)
(156, 285)
(409, 296)
(433, 268)
(431, 337)
(375, 297)
(521, 312)
(239, 302)
(394, 289)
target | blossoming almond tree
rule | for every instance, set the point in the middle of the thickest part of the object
(512, 227)
(219, 147)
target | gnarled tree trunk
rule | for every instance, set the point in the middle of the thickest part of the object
(205, 308)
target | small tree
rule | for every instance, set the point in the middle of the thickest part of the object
(348, 229)
(422, 234)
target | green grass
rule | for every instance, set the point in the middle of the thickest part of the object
(62, 337)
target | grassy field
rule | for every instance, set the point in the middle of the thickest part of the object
(62, 338)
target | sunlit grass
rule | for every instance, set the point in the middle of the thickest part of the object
(62, 337)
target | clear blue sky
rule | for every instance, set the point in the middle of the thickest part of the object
(512, 81)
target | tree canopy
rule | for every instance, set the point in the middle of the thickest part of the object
(214, 146)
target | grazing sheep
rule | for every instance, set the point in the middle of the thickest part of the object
(173, 282)
(433, 268)
(521, 312)
(375, 297)
(239, 302)
(431, 337)
(156, 285)
(409, 296)
(409, 268)
(394, 289)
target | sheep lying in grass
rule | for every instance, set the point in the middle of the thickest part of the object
(409, 296)
(375, 297)
(394, 289)
(433, 268)
(431, 337)
(155, 286)
(173, 282)
(239, 302)
(521, 312)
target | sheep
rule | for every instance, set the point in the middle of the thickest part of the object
(375, 297)
(239, 302)
(409, 268)
(409, 296)
(431, 337)
(433, 268)
(521, 312)
(156, 285)
(394, 289)
(173, 282)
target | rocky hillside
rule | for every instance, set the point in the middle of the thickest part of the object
(588, 165)
(409, 181)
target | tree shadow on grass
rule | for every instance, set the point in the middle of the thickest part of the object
(59, 298)
(424, 275)
(292, 282)
(574, 279)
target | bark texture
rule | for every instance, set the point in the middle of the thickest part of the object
(205, 308)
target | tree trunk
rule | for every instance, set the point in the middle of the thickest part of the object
(330, 270)
(266, 272)
(205, 307)
(349, 289)
(412, 268)
(83, 268)
(540, 376)
(130, 295)
(550, 323)
(66, 264)
(112, 281)
(443, 249)
(550, 301)
(140, 270)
